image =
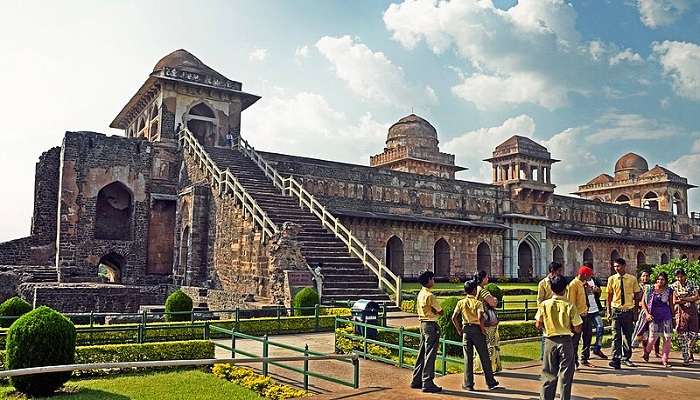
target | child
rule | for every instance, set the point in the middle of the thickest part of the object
(467, 319)
(560, 321)
(428, 312)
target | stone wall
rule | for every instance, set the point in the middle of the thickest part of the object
(46, 196)
(86, 297)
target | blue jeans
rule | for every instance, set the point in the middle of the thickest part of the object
(598, 324)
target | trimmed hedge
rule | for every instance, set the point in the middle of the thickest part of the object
(13, 307)
(178, 301)
(460, 292)
(447, 329)
(304, 301)
(39, 338)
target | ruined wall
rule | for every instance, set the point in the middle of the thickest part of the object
(355, 187)
(46, 196)
(86, 297)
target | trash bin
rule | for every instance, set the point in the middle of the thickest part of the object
(366, 311)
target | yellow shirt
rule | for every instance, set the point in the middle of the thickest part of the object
(631, 287)
(470, 308)
(576, 293)
(427, 305)
(544, 290)
(558, 316)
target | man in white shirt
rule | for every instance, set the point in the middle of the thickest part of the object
(594, 308)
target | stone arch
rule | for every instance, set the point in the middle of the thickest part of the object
(394, 255)
(622, 199)
(677, 206)
(528, 256)
(650, 201)
(201, 121)
(483, 258)
(558, 255)
(641, 258)
(111, 267)
(664, 258)
(588, 255)
(441, 258)
(113, 212)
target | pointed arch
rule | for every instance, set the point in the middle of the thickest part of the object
(588, 255)
(483, 258)
(678, 204)
(664, 258)
(558, 255)
(650, 201)
(394, 255)
(110, 267)
(622, 199)
(202, 110)
(441, 258)
(113, 212)
(641, 258)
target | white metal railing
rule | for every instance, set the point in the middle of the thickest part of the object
(227, 183)
(387, 279)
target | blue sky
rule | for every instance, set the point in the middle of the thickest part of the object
(590, 79)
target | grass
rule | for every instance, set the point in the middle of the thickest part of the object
(185, 385)
(457, 286)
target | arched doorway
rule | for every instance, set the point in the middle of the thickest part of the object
(394, 255)
(441, 259)
(664, 258)
(483, 258)
(183, 254)
(651, 201)
(201, 121)
(641, 259)
(614, 255)
(622, 199)
(110, 267)
(525, 262)
(558, 255)
(113, 212)
(588, 256)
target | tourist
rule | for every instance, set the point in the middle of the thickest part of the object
(544, 290)
(641, 329)
(685, 294)
(229, 140)
(594, 316)
(622, 289)
(576, 293)
(469, 323)
(428, 311)
(490, 321)
(658, 311)
(560, 320)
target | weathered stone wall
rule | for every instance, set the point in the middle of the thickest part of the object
(86, 297)
(46, 196)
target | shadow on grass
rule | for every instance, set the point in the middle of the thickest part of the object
(515, 359)
(72, 393)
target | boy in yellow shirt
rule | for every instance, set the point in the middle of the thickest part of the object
(560, 321)
(428, 312)
(467, 319)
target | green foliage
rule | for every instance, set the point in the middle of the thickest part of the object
(408, 306)
(13, 307)
(495, 291)
(178, 301)
(263, 385)
(445, 320)
(692, 270)
(38, 338)
(304, 301)
(336, 311)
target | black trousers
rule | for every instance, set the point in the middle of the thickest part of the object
(623, 329)
(587, 336)
(473, 338)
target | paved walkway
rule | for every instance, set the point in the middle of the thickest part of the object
(379, 381)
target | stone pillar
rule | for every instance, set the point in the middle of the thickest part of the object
(494, 173)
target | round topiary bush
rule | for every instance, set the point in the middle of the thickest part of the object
(495, 291)
(304, 301)
(13, 307)
(39, 338)
(178, 301)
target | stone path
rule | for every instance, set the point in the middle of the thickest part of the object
(383, 382)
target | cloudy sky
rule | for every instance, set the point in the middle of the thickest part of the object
(590, 79)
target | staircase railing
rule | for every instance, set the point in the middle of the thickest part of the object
(227, 183)
(387, 279)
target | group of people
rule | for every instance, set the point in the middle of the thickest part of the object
(570, 313)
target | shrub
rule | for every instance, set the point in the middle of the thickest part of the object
(408, 306)
(304, 301)
(13, 307)
(692, 270)
(178, 301)
(38, 338)
(336, 311)
(263, 385)
(495, 291)
(448, 330)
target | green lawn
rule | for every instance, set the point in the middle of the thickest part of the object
(457, 286)
(185, 385)
(514, 302)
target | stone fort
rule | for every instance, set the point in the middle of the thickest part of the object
(182, 200)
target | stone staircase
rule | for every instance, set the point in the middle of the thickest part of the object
(32, 273)
(345, 278)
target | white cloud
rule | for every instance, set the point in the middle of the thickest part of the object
(681, 61)
(617, 127)
(529, 53)
(473, 146)
(371, 75)
(665, 103)
(626, 55)
(258, 55)
(657, 13)
(305, 124)
(302, 51)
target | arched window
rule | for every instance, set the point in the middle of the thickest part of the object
(678, 208)
(441, 259)
(641, 259)
(202, 110)
(622, 199)
(558, 255)
(201, 121)
(483, 258)
(651, 201)
(664, 258)
(588, 256)
(394, 255)
(525, 267)
(110, 268)
(113, 212)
